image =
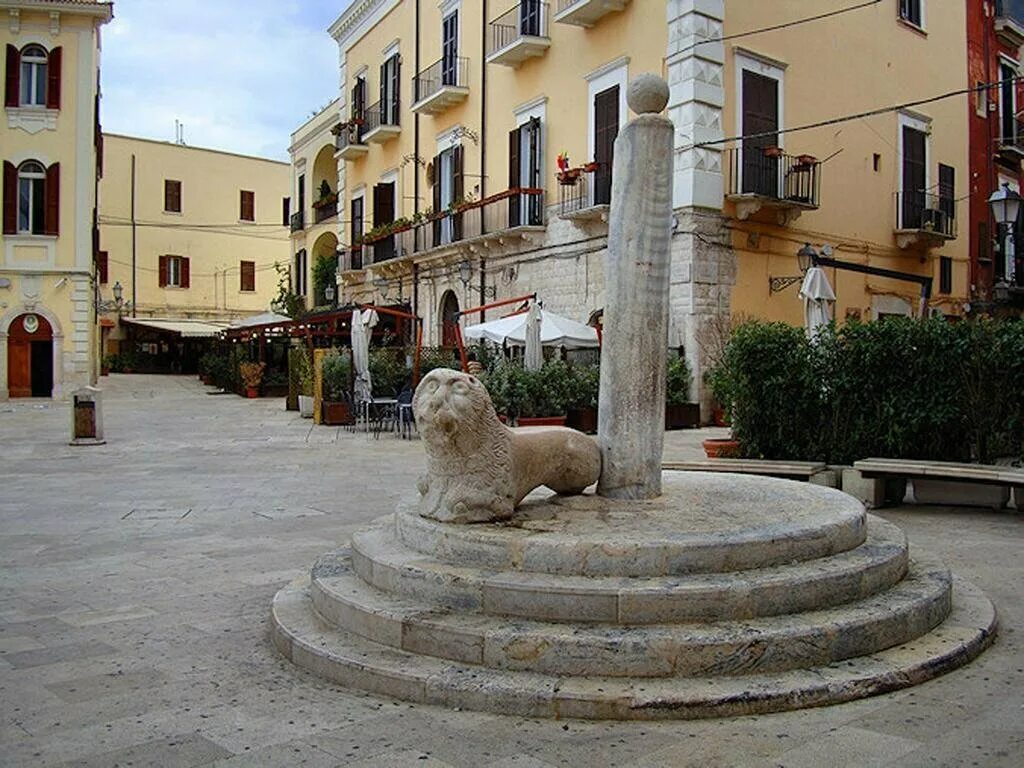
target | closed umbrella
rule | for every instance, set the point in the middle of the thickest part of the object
(533, 357)
(818, 297)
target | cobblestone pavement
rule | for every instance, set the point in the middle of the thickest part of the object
(137, 579)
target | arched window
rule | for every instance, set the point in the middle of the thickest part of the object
(31, 198)
(34, 62)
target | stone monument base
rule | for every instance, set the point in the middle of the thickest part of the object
(726, 596)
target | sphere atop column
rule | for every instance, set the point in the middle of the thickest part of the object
(647, 94)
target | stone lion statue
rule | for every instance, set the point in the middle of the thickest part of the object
(478, 470)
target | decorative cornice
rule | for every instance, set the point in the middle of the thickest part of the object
(354, 14)
(102, 11)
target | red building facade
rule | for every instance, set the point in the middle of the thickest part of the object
(995, 34)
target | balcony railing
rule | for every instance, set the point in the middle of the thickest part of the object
(584, 194)
(926, 213)
(325, 208)
(519, 34)
(443, 83)
(349, 141)
(381, 121)
(779, 178)
(1009, 22)
(1014, 142)
(506, 210)
(298, 221)
(355, 257)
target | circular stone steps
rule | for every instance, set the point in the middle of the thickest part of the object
(387, 564)
(774, 644)
(728, 525)
(349, 660)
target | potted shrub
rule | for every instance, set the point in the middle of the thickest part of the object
(546, 394)
(252, 377)
(336, 408)
(291, 402)
(722, 380)
(582, 411)
(304, 376)
(108, 363)
(680, 413)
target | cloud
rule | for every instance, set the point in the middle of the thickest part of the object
(240, 74)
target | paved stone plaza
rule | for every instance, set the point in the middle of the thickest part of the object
(137, 580)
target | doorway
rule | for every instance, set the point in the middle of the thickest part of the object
(30, 357)
(449, 319)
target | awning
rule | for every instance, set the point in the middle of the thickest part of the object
(265, 318)
(187, 329)
(555, 331)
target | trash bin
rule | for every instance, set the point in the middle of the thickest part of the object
(87, 417)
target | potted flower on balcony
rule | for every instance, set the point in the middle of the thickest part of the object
(252, 377)
(680, 413)
(336, 408)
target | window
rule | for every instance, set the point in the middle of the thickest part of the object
(358, 108)
(450, 50)
(384, 213)
(1007, 104)
(389, 89)
(356, 252)
(31, 198)
(174, 272)
(945, 274)
(286, 211)
(172, 196)
(524, 162)
(102, 263)
(914, 182)
(448, 187)
(299, 273)
(33, 76)
(247, 208)
(248, 276)
(912, 12)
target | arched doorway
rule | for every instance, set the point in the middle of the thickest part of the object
(325, 266)
(449, 319)
(30, 357)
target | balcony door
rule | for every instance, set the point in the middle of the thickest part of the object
(915, 177)
(383, 213)
(448, 189)
(356, 257)
(359, 107)
(450, 49)
(530, 18)
(606, 130)
(389, 80)
(760, 119)
(524, 156)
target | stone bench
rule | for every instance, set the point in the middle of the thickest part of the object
(809, 471)
(877, 482)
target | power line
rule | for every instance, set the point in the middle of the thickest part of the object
(783, 25)
(857, 116)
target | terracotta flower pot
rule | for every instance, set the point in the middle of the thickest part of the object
(722, 448)
(541, 421)
(252, 392)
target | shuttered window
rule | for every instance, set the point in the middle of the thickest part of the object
(174, 272)
(101, 267)
(299, 274)
(32, 77)
(248, 276)
(606, 130)
(911, 12)
(389, 88)
(286, 211)
(247, 208)
(172, 196)
(945, 274)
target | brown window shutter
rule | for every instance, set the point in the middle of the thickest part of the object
(286, 211)
(51, 225)
(458, 184)
(10, 199)
(185, 282)
(513, 159)
(247, 206)
(248, 275)
(13, 77)
(53, 79)
(163, 272)
(102, 266)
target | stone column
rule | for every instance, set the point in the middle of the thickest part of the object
(631, 415)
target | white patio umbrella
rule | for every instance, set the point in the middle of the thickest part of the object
(818, 297)
(533, 357)
(555, 331)
(362, 327)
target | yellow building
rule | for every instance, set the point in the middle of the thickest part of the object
(452, 117)
(191, 236)
(48, 145)
(314, 204)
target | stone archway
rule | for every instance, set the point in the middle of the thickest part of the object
(8, 323)
(449, 319)
(324, 249)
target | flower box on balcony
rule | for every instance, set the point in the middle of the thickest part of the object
(323, 202)
(772, 151)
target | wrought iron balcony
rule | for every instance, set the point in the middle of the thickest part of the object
(442, 84)
(519, 34)
(298, 221)
(348, 142)
(1010, 22)
(325, 208)
(765, 177)
(586, 13)
(924, 218)
(381, 122)
(1012, 144)
(580, 199)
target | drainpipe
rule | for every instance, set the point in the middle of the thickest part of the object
(134, 281)
(416, 168)
(483, 107)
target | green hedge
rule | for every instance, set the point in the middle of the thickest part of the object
(898, 388)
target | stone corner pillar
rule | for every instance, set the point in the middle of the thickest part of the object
(631, 414)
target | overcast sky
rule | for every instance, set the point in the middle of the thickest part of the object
(240, 74)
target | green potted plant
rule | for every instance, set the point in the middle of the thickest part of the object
(304, 377)
(291, 402)
(336, 407)
(582, 406)
(252, 377)
(680, 413)
(546, 393)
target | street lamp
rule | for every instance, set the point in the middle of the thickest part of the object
(465, 273)
(329, 293)
(117, 304)
(806, 257)
(1005, 205)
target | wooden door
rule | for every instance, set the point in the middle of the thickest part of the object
(30, 357)
(914, 178)
(761, 119)
(606, 130)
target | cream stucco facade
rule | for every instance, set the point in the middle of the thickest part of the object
(487, 100)
(219, 216)
(47, 145)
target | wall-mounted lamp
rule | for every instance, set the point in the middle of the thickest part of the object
(117, 304)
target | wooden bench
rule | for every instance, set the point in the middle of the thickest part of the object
(809, 471)
(880, 481)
